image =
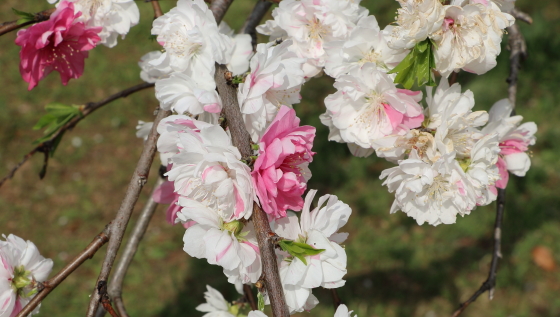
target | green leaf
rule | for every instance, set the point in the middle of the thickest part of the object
(417, 66)
(57, 116)
(298, 249)
(24, 17)
(260, 299)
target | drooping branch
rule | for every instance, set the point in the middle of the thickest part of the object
(250, 26)
(242, 140)
(52, 283)
(518, 52)
(7, 27)
(120, 222)
(219, 9)
(87, 109)
(335, 298)
(249, 297)
(116, 283)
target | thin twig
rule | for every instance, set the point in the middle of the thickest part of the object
(242, 140)
(7, 27)
(453, 78)
(522, 16)
(518, 52)
(219, 9)
(116, 283)
(250, 26)
(52, 283)
(249, 297)
(118, 226)
(105, 301)
(157, 9)
(87, 109)
(335, 298)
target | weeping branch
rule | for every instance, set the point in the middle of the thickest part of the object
(52, 283)
(86, 110)
(120, 222)
(518, 52)
(157, 9)
(250, 26)
(116, 283)
(7, 27)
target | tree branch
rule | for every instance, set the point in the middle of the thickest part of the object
(7, 27)
(52, 283)
(250, 26)
(116, 283)
(242, 140)
(335, 298)
(520, 15)
(157, 9)
(219, 8)
(86, 110)
(118, 226)
(518, 52)
(249, 297)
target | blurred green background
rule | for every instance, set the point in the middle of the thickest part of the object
(395, 267)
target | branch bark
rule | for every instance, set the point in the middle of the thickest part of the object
(52, 283)
(250, 26)
(219, 9)
(118, 226)
(249, 297)
(518, 52)
(157, 9)
(116, 283)
(86, 110)
(7, 27)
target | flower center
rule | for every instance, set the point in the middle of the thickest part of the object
(316, 29)
(373, 112)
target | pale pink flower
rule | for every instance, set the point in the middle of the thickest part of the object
(280, 172)
(165, 194)
(59, 44)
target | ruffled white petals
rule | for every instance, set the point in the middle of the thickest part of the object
(275, 79)
(416, 20)
(242, 52)
(149, 73)
(342, 311)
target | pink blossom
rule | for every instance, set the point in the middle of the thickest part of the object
(280, 172)
(59, 44)
(165, 194)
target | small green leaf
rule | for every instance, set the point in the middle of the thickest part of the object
(24, 17)
(260, 299)
(298, 249)
(417, 66)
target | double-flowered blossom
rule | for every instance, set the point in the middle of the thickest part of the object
(514, 139)
(451, 164)
(275, 79)
(59, 44)
(114, 17)
(242, 52)
(319, 229)
(342, 311)
(280, 172)
(368, 106)
(216, 305)
(192, 42)
(21, 267)
(149, 73)
(311, 24)
(365, 44)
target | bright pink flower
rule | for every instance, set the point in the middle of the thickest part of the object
(280, 172)
(59, 44)
(504, 175)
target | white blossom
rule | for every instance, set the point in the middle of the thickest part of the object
(149, 73)
(216, 305)
(319, 229)
(481, 170)
(115, 16)
(21, 267)
(242, 52)
(416, 20)
(275, 79)
(342, 311)
(192, 42)
(368, 106)
(365, 44)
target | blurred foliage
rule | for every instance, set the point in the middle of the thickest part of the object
(395, 267)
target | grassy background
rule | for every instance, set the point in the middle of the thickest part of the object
(395, 267)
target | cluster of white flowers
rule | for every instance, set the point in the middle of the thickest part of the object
(116, 17)
(466, 33)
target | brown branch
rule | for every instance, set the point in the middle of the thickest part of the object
(518, 52)
(219, 9)
(335, 298)
(249, 297)
(242, 140)
(87, 109)
(157, 9)
(116, 283)
(453, 78)
(7, 27)
(118, 226)
(52, 283)
(250, 26)
(522, 16)
(105, 301)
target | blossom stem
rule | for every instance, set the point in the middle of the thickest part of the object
(120, 222)
(518, 52)
(116, 283)
(52, 283)
(7, 27)
(90, 107)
